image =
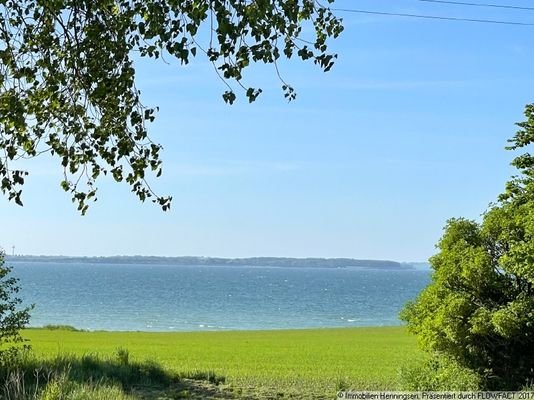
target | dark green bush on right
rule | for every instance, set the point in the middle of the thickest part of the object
(438, 374)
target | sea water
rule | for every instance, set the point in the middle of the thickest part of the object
(142, 297)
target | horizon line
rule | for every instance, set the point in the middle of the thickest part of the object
(207, 257)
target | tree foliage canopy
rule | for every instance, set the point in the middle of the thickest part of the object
(479, 308)
(67, 76)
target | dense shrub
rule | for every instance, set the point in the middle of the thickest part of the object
(478, 310)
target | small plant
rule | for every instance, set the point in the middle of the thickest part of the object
(57, 388)
(341, 385)
(12, 317)
(123, 355)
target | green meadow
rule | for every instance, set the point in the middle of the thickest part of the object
(240, 364)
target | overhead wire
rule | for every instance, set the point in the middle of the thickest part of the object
(491, 5)
(434, 17)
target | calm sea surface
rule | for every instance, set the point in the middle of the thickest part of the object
(189, 298)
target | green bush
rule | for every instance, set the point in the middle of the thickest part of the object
(479, 308)
(438, 374)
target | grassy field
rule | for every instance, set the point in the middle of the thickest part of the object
(293, 363)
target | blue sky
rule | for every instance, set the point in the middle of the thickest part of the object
(406, 131)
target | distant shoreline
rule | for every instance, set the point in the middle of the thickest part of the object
(283, 262)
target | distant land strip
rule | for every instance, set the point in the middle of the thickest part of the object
(215, 261)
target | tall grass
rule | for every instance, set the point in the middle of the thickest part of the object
(89, 377)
